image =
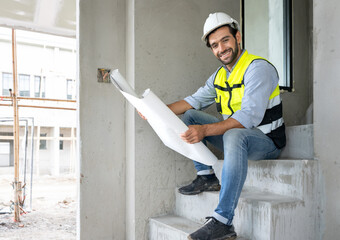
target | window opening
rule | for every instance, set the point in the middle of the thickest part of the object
(7, 83)
(61, 142)
(70, 88)
(266, 27)
(39, 87)
(43, 142)
(24, 85)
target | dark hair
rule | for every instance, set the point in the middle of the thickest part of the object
(232, 30)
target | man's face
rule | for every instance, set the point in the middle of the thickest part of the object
(224, 46)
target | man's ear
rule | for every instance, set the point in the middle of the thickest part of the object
(238, 37)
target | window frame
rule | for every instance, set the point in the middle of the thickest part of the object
(70, 88)
(41, 92)
(5, 91)
(287, 42)
(43, 142)
(22, 84)
(61, 142)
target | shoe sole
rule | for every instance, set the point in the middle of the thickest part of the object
(210, 189)
(223, 238)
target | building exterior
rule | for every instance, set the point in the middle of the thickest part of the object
(46, 67)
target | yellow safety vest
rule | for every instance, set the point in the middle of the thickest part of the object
(229, 94)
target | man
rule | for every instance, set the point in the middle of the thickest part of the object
(247, 95)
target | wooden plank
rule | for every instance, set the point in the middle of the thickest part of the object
(17, 183)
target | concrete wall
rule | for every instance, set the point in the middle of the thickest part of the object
(127, 174)
(101, 121)
(170, 59)
(161, 49)
(326, 48)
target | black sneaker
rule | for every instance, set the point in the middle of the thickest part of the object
(214, 230)
(200, 184)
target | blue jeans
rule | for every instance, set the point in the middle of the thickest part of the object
(238, 145)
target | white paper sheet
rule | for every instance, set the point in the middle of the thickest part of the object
(164, 122)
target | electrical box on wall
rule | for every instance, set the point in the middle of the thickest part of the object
(103, 75)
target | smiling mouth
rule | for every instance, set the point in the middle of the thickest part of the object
(226, 53)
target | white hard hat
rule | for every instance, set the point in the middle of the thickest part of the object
(216, 20)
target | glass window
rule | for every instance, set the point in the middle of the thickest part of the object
(43, 142)
(7, 83)
(39, 87)
(70, 88)
(24, 85)
(43, 87)
(61, 142)
(267, 33)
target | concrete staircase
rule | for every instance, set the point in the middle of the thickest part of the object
(279, 199)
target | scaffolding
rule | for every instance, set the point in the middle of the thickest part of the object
(25, 163)
(19, 189)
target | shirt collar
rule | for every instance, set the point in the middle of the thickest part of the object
(225, 67)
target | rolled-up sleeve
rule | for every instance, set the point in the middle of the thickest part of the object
(260, 80)
(204, 96)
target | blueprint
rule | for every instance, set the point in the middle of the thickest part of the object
(163, 121)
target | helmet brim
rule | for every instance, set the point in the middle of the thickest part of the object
(204, 37)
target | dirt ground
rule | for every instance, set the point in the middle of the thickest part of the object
(53, 214)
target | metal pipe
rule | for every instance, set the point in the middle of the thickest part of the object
(32, 106)
(60, 108)
(40, 99)
(32, 156)
(25, 154)
(7, 105)
(14, 95)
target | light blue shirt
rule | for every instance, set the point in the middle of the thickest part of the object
(260, 80)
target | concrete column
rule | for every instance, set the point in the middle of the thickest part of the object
(130, 211)
(101, 128)
(55, 151)
(326, 35)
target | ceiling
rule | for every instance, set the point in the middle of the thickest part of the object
(56, 17)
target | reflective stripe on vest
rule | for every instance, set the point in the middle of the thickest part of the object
(229, 94)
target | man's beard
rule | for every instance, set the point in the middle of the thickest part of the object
(232, 57)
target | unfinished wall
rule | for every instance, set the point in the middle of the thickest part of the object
(160, 42)
(326, 35)
(170, 59)
(127, 174)
(101, 121)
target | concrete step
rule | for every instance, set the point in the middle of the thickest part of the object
(259, 215)
(267, 216)
(172, 227)
(300, 144)
(295, 178)
(279, 200)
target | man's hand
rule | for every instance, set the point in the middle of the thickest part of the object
(194, 134)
